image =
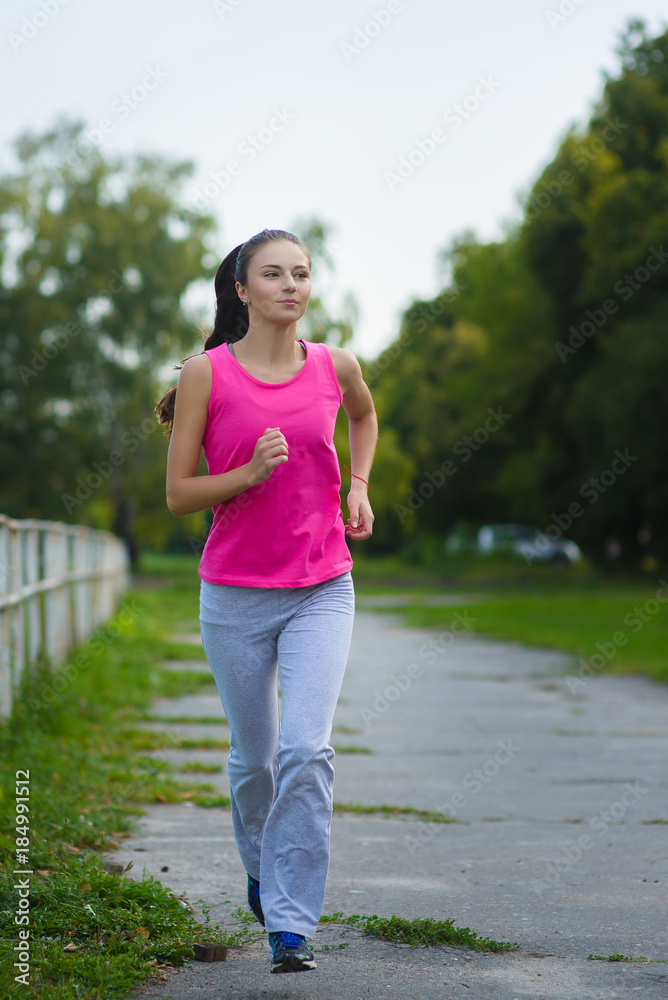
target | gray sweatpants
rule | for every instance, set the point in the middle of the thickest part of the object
(280, 766)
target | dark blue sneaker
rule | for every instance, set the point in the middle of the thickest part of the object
(290, 953)
(254, 898)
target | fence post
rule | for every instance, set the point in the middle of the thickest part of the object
(58, 582)
(5, 627)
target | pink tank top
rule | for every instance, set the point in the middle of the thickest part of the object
(287, 531)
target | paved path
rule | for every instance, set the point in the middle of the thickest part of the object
(557, 792)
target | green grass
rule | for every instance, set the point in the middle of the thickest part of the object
(93, 934)
(485, 573)
(422, 931)
(173, 683)
(75, 728)
(200, 720)
(207, 801)
(573, 624)
(195, 767)
(184, 651)
(393, 812)
(617, 958)
(151, 739)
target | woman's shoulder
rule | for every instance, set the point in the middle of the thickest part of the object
(346, 365)
(197, 363)
(196, 369)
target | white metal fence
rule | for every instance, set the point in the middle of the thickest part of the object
(58, 582)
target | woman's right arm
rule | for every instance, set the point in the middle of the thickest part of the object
(186, 491)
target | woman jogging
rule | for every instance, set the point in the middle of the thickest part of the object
(276, 594)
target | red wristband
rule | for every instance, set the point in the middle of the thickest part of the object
(355, 477)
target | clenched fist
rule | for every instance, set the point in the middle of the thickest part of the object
(270, 450)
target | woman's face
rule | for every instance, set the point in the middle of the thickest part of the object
(279, 282)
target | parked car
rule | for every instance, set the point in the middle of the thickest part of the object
(462, 538)
(529, 542)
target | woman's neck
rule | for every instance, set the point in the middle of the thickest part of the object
(276, 352)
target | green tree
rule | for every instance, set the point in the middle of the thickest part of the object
(462, 371)
(563, 325)
(97, 254)
(594, 242)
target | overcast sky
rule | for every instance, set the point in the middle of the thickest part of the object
(310, 109)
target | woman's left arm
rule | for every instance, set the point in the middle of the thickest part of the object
(363, 434)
